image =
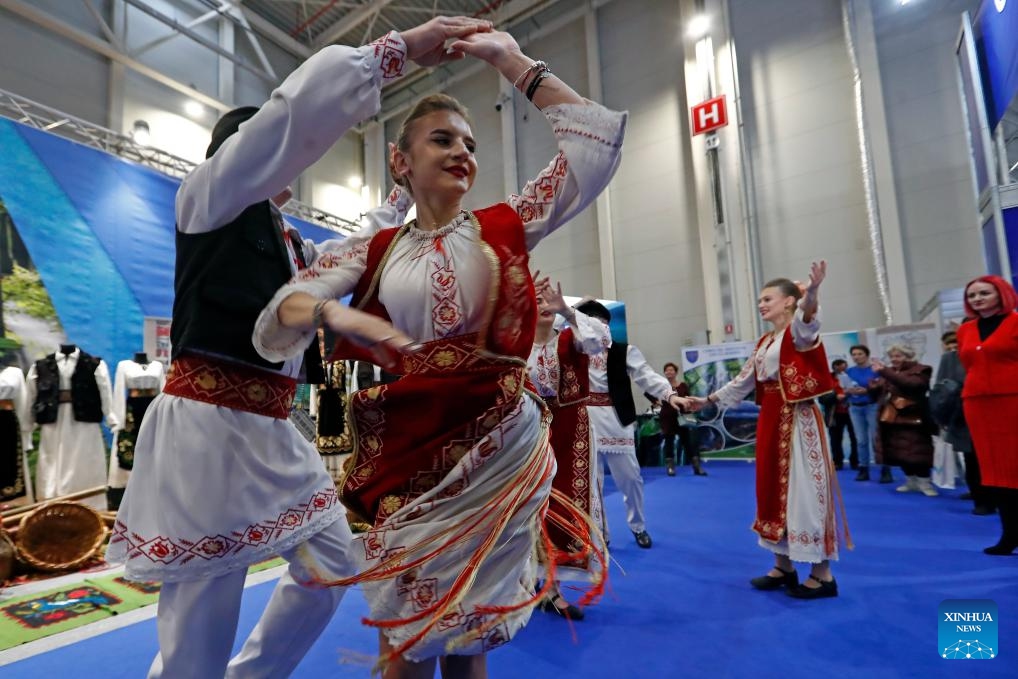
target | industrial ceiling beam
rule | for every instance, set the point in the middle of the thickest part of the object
(350, 22)
(44, 20)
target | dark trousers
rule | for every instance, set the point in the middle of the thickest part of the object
(1007, 507)
(981, 496)
(920, 470)
(689, 450)
(837, 431)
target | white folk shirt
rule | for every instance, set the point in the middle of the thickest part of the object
(589, 337)
(72, 454)
(610, 436)
(435, 283)
(766, 361)
(130, 375)
(176, 522)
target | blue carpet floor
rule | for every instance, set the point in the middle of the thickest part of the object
(685, 609)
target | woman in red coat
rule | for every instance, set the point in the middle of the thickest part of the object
(988, 348)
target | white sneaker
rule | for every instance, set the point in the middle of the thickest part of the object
(911, 484)
(927, 489)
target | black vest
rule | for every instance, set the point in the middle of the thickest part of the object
(224, 278)
(85, 400)
(618, 384)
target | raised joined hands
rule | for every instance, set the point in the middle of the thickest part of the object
(426, 43)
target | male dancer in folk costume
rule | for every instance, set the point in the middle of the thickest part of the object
(452, 464)
(558, 368)
(221, 478)
(613, 412)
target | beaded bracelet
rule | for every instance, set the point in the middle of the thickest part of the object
(536, 82)
(523, 76)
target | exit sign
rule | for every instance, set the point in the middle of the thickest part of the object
(709, 115)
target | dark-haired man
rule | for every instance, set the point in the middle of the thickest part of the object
(612, 414)
(864, 408)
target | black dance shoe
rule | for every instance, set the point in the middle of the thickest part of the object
(1002, 548)
(643, 539)
(769, 582)
(570, 611)
(825, 590)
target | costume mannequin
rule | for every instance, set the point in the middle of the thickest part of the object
(137, 382)
(15, 435)
(70, 396)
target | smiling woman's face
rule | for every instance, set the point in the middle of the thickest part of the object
(440, 159)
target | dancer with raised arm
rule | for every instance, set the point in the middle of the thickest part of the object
(221, 479)
(452, 466)
(558, 368)
(795, 485)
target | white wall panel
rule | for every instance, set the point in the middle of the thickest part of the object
(656, 238)
(800, 126)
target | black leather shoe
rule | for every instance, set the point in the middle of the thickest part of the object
(825, 590)
(670, 470)
(570, 611)
(768, 582)
(863, 475)
(643, 539)
(1001, 549)
(885, 475)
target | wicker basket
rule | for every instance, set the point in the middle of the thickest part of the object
(7, 554)
(60, 536)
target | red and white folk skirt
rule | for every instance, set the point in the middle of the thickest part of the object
(795, 483)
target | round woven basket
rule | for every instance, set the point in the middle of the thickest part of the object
(7, 554)
(60, 536)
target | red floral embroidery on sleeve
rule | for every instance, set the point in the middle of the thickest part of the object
(538, 195)
(392, 53)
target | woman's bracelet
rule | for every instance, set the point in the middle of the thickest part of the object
(317, 311)
(521, 78)
(536, 82)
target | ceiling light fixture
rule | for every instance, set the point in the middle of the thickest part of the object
(194, 109)
(140, 133)
(698, 26)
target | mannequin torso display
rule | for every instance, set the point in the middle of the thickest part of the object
(15, 436)
(62, 388)
(138, 381)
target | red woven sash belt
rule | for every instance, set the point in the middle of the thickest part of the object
(230, 385)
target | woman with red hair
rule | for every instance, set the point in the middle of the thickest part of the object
(988, 348)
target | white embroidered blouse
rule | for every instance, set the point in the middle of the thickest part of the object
(589, 336)
(763, 365)
(435, 283)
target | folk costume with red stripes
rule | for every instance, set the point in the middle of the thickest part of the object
(453, 466)
(796, 489)
(558, 369)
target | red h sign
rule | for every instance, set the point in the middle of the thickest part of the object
(709, 115)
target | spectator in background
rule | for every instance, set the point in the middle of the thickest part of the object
(906, 432)
(839, 419)
(673, 425)
(988, 348)
(863, 408)
(951, 417)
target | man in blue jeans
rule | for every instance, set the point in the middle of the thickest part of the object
(863, 409)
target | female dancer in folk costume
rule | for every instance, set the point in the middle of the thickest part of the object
(221, 478)
(795, 484)
(452, 463)
(558, 368)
